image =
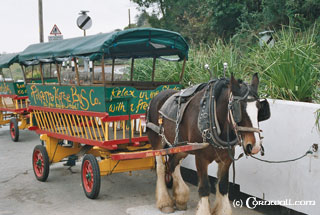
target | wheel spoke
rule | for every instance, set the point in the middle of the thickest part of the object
(38, 163)
(87, 176)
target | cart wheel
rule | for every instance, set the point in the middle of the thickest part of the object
(14, 129)
(168, 176)
(40, 163)
(90, 176)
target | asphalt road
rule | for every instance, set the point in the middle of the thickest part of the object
(21, 193)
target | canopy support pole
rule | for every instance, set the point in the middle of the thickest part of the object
(58, 73)
(24, 74)
(41, 73)
(11, 74)
(153, 68)
(32, 70)
(183, 68)
(92, 72)
(102, 71)
(112, 75)
(50, 70)
(76, 70)
(131, 73)
(1, 73)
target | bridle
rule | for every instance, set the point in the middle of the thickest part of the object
(234, 113)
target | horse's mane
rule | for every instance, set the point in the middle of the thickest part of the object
(224, 83)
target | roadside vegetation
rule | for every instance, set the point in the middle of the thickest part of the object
(228, 31)
(290, 70)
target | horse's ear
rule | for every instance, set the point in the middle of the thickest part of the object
(235, 87)
(255, 82)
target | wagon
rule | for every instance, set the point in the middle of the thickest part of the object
(86, 104)
(13, 98)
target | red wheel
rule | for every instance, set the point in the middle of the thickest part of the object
(90, 176)
(40, 163)
(14, 129)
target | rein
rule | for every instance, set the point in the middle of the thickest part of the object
(284, 161)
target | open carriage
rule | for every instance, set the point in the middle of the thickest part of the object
(94, 106)
(13, 97)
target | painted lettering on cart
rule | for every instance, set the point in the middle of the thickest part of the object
(13, 88)
(118, 92)
(21, 89)
(118, 107)
(5, 89)
(120, 97)
(64, 97)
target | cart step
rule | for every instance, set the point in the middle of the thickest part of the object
(152, 153)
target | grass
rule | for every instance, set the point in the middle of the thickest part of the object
(317, 123)
(289, 70)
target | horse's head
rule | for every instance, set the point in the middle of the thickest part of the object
(246, 110)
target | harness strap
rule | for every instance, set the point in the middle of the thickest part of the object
(153, 127)
(215, 117)
(213, 132)
(248, 129)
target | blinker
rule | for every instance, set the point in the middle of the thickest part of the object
(236, 111)
(263, 114)
(264, 111)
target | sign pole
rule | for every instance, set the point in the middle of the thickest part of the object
(129, 18)
(84, 33)
(40, 20)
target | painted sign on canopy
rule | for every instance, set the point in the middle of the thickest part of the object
(55, 34)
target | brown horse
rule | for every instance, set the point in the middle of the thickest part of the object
(236, 127)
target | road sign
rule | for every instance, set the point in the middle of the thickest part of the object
(84, 22)
(55, 38)
(266, 39)
(55, 30)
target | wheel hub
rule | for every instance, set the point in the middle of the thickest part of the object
(88, 176)
(39, 163)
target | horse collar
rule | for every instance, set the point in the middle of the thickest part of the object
(207, 120)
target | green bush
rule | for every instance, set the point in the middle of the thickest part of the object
(318, 119)
(290, 69)
(214, 54)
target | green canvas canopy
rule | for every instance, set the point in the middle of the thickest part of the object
(7, 59)
(131, 43)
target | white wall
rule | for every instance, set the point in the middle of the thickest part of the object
(288, 134)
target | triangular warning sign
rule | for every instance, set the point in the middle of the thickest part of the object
(55, 30)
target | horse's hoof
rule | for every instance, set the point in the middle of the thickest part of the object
(167, 210)
(181, 207)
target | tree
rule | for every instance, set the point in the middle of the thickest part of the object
(204, 20)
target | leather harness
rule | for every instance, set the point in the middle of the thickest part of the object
(173, 110)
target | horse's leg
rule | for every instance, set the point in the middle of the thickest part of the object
(164, 201)
(180, 189)
(222, 205)
(204, 186)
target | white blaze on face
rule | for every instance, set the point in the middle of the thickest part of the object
(252, 111)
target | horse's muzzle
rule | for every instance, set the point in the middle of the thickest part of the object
(249, 148)
(256, 149)
(252, 149)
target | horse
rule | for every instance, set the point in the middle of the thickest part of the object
(234, 116)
